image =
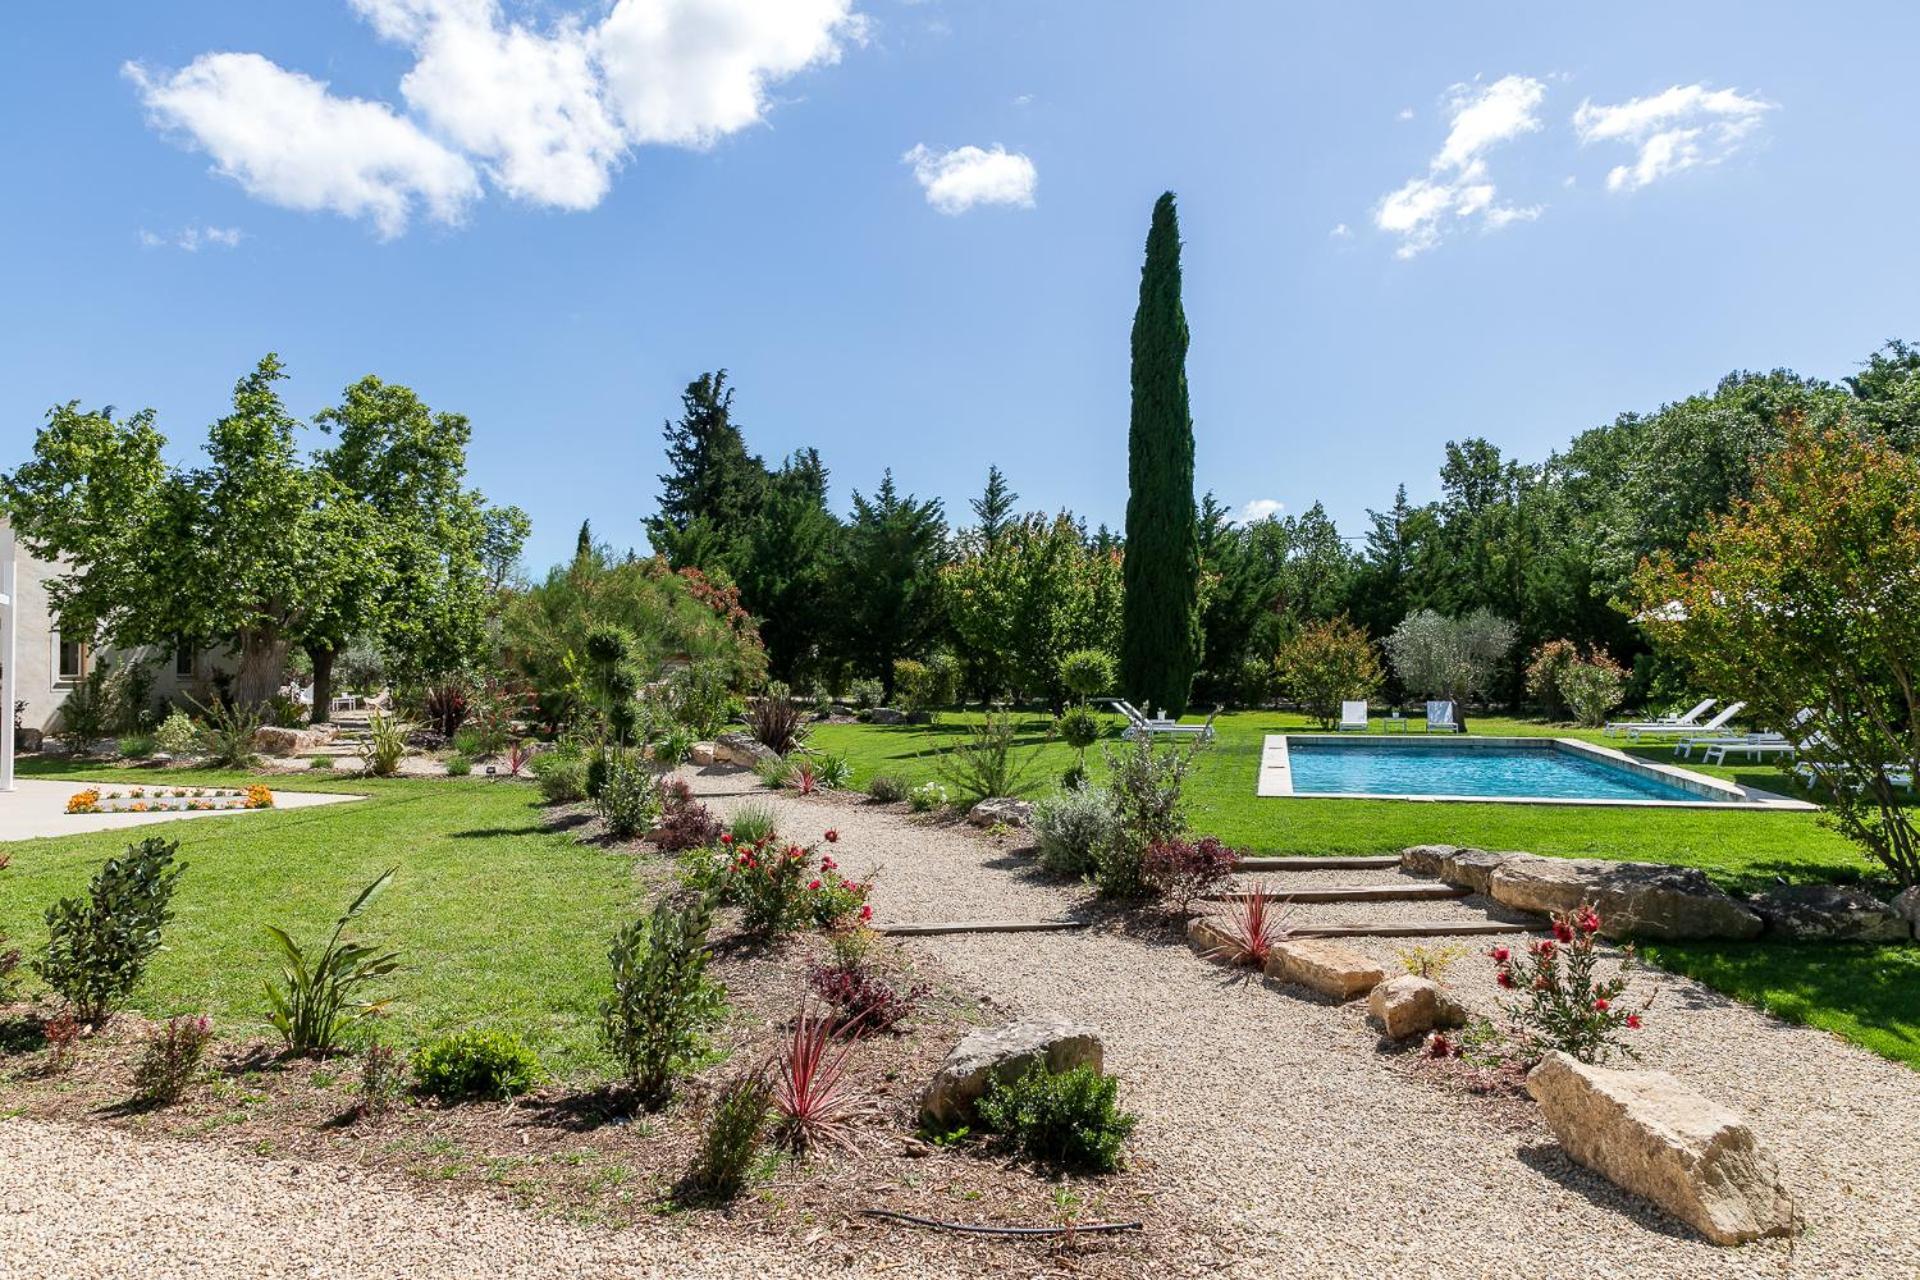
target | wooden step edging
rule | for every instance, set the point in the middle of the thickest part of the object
(1368, 863)
(1412, 892)
(1414, 929)
(937, 929)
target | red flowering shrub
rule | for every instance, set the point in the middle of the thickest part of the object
(1561, 1005)
(780, 889)
(1178, 871)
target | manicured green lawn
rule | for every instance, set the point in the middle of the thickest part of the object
(1869, 995)
(497, 919)
(1739, 848)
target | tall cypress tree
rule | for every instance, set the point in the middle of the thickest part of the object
(1160, 631)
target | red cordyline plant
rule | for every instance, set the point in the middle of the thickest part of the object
(1562, 1006)
(1255, 925)
(518, 754)
(804, 780)
(814, 1098)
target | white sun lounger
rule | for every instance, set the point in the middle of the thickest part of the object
(1440, 716)
(1353, 715)
(1688, 720)
(1710, 729)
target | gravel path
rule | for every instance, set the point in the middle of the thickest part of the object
(1274, 1116)
(1269, 1118)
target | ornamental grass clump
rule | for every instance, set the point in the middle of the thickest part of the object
(98, 946)
(171, 1060)
(731, 1144)
(1562, 1004)
(816, 1101)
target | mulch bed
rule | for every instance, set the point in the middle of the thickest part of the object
(580, 1149)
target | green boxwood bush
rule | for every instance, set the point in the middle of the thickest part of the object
(475, 1063)
(1071, 1119)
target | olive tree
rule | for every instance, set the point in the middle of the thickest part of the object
(1453, 658)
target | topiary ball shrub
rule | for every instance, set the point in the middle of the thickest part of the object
(475, 1063)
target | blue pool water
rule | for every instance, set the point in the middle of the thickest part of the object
(1361, 768)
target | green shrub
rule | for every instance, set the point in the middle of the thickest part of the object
(927, 797)
(136, 746)
(178, 736)
(701, 697)
(172, 1059)
(1072, 827)
(458, 765)
(1071, 1119)
(90, 708)
(285, 712)
(924, 687)
(1327, 663)
(98, 946)
(674, 747)
(989, 762)
(561, 775)
(831, 771)
(1088, 672)
(227, 731)
(475, 1063)
(662, 998)
(467, 742)
(629, 799)
(731, 1143)
(320, 762)
(318, 995)
(866, 694)
(1149, 803)
(753, 823)
(886, 788)
(1593, 687)
(385, 747)
(774, 771)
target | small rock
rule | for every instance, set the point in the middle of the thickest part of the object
(1907, 907)
(1015, 813)
(1648, 1133)
(1828, 913)
(278, 740)
(1409, 1006)
(1005, 1052)
(1325, 967)
(1208, 936)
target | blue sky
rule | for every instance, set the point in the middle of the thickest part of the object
(1405, 223)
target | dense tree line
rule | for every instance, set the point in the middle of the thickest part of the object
(1551, 547)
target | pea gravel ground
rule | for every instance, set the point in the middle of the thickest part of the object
(1270, 1121)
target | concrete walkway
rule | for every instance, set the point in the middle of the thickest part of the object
(37, 808)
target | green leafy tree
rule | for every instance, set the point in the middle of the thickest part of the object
(1160, 632)
(1801, 602)
(505, 533)
(1327, 663)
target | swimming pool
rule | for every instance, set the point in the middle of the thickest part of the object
(1540, 770)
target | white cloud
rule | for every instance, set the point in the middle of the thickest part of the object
(1675, 130)
(1259, 509)
(1341, 231)
(1406, 113)
(547, 115)
(957, 180)
(1456, 185)
(285, 139)
(191, 237)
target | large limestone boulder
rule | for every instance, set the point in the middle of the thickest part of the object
(742, 749)
(1648, 1133)
(1472, 869)
(1426, 859)
(702, 754)
(1410, 1006)
(1828, 913)
(886, 715)
(1005, 1052)
(1014, 813)
(1324, 966)
(1643, 899)
(1907, 907)
(277, 740)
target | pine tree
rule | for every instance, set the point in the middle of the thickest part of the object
(994, 507)
(1159, 636)
(890, 579)
(583, 546)
(714, 483)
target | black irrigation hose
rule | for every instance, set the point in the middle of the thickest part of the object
(1093, 1228)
